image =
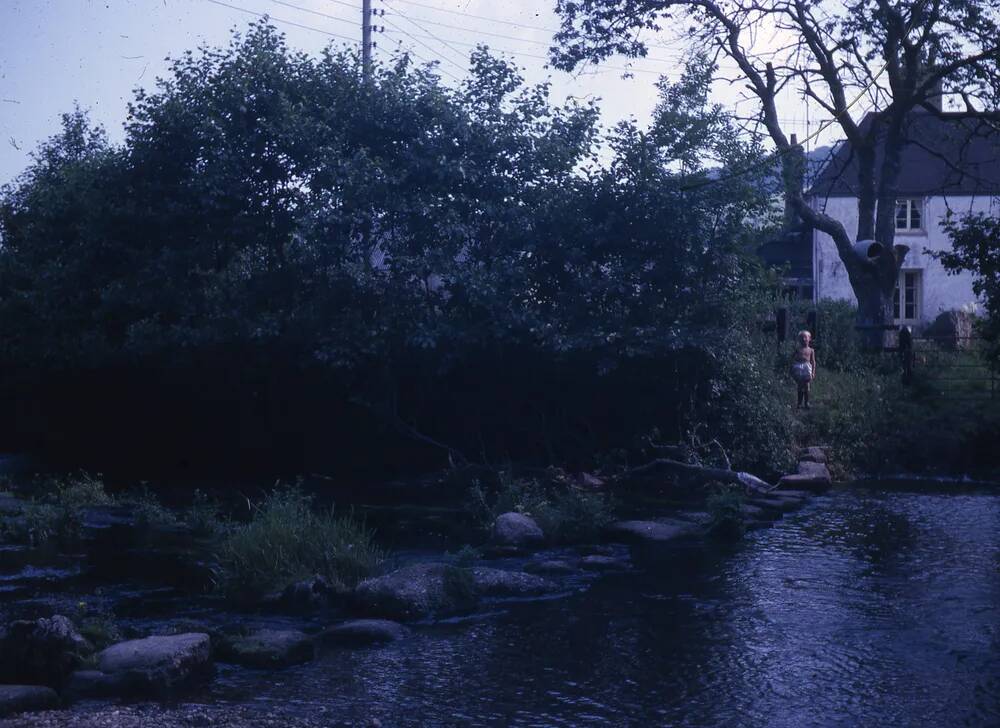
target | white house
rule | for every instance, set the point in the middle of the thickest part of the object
(951, 163)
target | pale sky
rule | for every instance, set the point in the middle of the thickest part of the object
(95, 52)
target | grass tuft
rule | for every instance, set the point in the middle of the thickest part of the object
(287, 540)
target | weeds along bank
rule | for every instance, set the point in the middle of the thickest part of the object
(283, 267)
(879, 426)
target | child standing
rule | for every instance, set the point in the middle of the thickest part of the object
(804, 367)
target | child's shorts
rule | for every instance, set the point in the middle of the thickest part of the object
(802, 372)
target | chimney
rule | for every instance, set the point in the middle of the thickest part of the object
(793, 173)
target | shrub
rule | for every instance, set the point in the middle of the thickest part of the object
(749, 409)
(148, 509)
(203, 516)
(287, 540)
(854, 412)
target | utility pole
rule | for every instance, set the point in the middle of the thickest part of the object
(366, 39)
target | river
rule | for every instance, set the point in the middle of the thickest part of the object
(872, 606)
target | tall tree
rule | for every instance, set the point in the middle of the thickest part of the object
(895, 56)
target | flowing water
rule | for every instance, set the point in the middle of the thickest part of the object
(870, 607)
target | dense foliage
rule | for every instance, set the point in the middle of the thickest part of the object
(284, 263)
(975, 247)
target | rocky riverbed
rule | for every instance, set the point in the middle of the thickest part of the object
(172, 638)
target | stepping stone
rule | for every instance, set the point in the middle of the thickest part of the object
(651, 531)
(157, 665)
(816, 470)
(22, 698)
(791, 495)
(799, 482)
(604, 563)
(361, 632)
(554, 566)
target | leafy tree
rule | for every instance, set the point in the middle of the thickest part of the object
(893, 55)
(975, 247)
(282, 255)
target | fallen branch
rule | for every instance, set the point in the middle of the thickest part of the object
(748, 481)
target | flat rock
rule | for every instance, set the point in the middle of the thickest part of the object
(516, 529)
(792, 496)
(360, 632)
(417, 591)
(815, 470)
(810, 476)
(23, 698)
(151, 666)
(604, 563)
(551, 566)
(656, 531)
(499, 583)
(268, 648)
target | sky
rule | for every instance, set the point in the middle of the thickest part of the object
(54, 53)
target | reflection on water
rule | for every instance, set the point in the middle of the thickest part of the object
(866, 609)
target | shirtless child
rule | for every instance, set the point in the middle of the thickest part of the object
(804, 367)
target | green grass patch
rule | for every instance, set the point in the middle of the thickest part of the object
(287, 539)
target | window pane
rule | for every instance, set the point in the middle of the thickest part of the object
(914, 214)
(910, 295)
(901, 215)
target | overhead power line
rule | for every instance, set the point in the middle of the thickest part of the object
(313, 12)
(464, 14)
(429, 48)
(283, 21)
(522, 54)
(477, 31)
(440, 40)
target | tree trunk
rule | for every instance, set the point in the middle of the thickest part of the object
(874, 289)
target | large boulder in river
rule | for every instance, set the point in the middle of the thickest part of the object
(417, 592)
(516, 529)
(158, 665)
(43, 651)
(268, 648)
(427, 590)
(22, 698)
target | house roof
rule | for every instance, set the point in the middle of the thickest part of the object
(944, 155)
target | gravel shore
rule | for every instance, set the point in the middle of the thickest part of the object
(186, 716)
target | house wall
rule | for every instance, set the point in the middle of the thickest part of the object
(940, 291)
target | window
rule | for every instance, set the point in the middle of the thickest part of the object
(906, 300)
(909, 215)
